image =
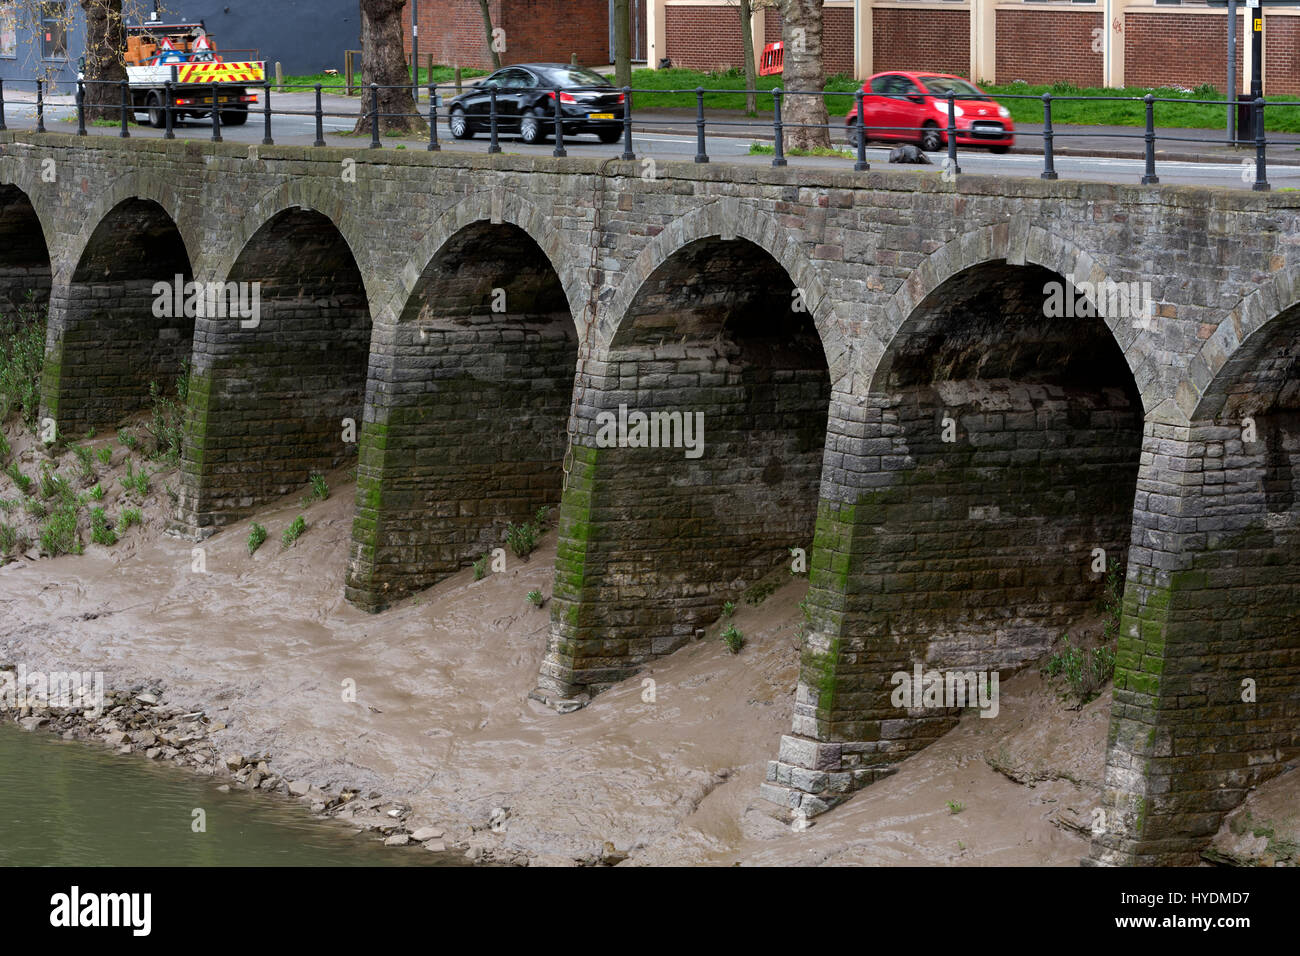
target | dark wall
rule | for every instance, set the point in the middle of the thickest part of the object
(306, 36)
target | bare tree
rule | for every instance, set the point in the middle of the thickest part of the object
(622, 43)
(105, 63)
(806, 116)
(491, 34)
(383, 62)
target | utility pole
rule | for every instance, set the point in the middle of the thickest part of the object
(415, 49)
(1256, 48)
(1232, 72)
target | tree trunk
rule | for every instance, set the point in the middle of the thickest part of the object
(383, 61)
(747, 42)
(804, 71)
(487, 29)
(622, 44)
(105, 59)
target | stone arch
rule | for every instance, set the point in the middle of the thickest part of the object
(701, 427)
(729, 218)
(118, 324)
(1017, 242)
(468, 403)
(276, 379)
(993, 450)
(172, 199)
(494, 207)
(309, 195)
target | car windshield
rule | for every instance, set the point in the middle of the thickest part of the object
(574, 76)
(940, 85)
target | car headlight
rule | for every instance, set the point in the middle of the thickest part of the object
(942, 107)
(1004, 112)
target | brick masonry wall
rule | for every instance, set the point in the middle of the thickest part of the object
(1047, 46)
(467, 432)
(110, 344)
(902, 40)
(1169, 50)
(704, 38)
(535, 31)
(867, 250)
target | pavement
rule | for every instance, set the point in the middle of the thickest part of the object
(1105, 154)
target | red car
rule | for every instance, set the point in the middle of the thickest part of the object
(918, 103)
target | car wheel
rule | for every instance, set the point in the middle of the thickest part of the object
(999, 149)
(931, 140)
(609, 135)
(235, 117)
(157, 117)
(852, 130)
(460, 125)
(531, 130)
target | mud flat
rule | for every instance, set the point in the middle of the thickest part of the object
(267, 650)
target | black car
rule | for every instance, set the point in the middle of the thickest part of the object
(526, 96)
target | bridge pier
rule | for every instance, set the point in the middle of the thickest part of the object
(1207, 681)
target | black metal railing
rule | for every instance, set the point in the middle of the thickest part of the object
(219, 107)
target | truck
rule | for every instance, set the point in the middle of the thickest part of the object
(185, 55)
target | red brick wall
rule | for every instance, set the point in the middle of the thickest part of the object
(837, 38)
(942, 44)
(1281, 57)
(1044, 46)
(1162, 49)
(703, 38)
(536, 31)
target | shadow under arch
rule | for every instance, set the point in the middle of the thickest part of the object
(278, 373)
(465, 426)
(701, 436)
(119, 325)
(25, 268)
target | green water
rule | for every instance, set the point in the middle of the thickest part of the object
(72, 803)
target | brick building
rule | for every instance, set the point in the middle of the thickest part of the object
(532, 31)
(1111, 42)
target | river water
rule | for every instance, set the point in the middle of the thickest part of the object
(72, 803)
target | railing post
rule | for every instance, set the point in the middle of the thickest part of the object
(628, 154)
(1149, 176)
(433, 119)
(494, 146)
(1261, 149)
(81, 108)
(559, 150)
(861, 164)
(1049, 162)
(952, 133)
(125, 131)
(374, 116)
(778, 130)
(701, 154)
(2, 106)
(320, 120)
(216, 112)
(40, 105)
(266, 114)
(169, 101)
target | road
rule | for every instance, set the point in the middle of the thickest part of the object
(671, 146)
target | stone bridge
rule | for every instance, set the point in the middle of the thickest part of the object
(883, 379)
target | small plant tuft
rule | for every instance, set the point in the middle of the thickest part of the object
(733, 639)
(535, 598)
(480, 568)
(522, 538)
(293, 532)
(256, 538)
(132, 516)
(100, 530)
(955, 808)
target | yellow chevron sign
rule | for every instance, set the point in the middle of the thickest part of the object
(220, 73)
